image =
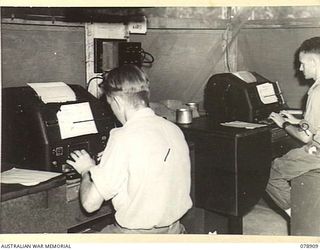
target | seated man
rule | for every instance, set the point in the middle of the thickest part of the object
(299, 161)
(145, 167)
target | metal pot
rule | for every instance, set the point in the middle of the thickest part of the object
(193, 105)
(195, 108)
(184, 116)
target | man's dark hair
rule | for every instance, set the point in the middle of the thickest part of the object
(311, 45)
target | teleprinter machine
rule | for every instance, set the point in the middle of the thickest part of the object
(243, 96)
(40, 135)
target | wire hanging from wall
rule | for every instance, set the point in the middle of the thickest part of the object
(92, 78)
(132, 52)
(144, 59)
(94, 89)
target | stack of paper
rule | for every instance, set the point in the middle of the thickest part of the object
(246, 76)
(26, 177)
(53, 92)
(240, 124)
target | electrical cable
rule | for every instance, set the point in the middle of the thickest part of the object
(101, 76)
(144, 60)
(95, 77)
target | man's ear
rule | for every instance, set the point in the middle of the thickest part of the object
(316, 59)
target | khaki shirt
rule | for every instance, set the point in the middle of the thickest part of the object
(312, 116)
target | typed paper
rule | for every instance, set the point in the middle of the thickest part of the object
(75, 120)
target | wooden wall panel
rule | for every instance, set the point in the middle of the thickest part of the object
(271, 53)
(42, 53)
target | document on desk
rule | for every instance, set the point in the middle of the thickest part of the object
(75, 120)
(53, 91)
(26, 177)
(241, 124)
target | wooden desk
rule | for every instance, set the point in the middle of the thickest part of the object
(231, 170)
(43, 208)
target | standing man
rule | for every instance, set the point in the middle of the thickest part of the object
(145, 167)
(299, 161)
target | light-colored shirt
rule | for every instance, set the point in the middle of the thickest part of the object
(312, 114)
(145, 170)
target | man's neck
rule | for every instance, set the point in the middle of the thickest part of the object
(316, 81)
(130, 112)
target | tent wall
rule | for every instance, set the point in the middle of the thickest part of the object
(42, 53)
(184, 60)
(188, 45)
(272, 53)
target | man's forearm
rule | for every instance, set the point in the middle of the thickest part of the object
(296, 131)
(89, 196)
(85, 186)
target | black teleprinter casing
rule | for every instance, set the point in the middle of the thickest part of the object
(31, 134)
(229, 98)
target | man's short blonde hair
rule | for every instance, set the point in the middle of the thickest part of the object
(130, 82)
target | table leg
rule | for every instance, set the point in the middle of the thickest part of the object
(235, 224)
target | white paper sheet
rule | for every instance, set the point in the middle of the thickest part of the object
(266, 93)
(241, 124)
(75, 120)
(246, 76)
(26, 177)
(294, 111)
(53, 91)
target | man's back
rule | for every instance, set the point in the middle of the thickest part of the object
(155, 156)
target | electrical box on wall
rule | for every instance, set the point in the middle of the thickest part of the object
(130, 53)
(111, 53)
(106, 53)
